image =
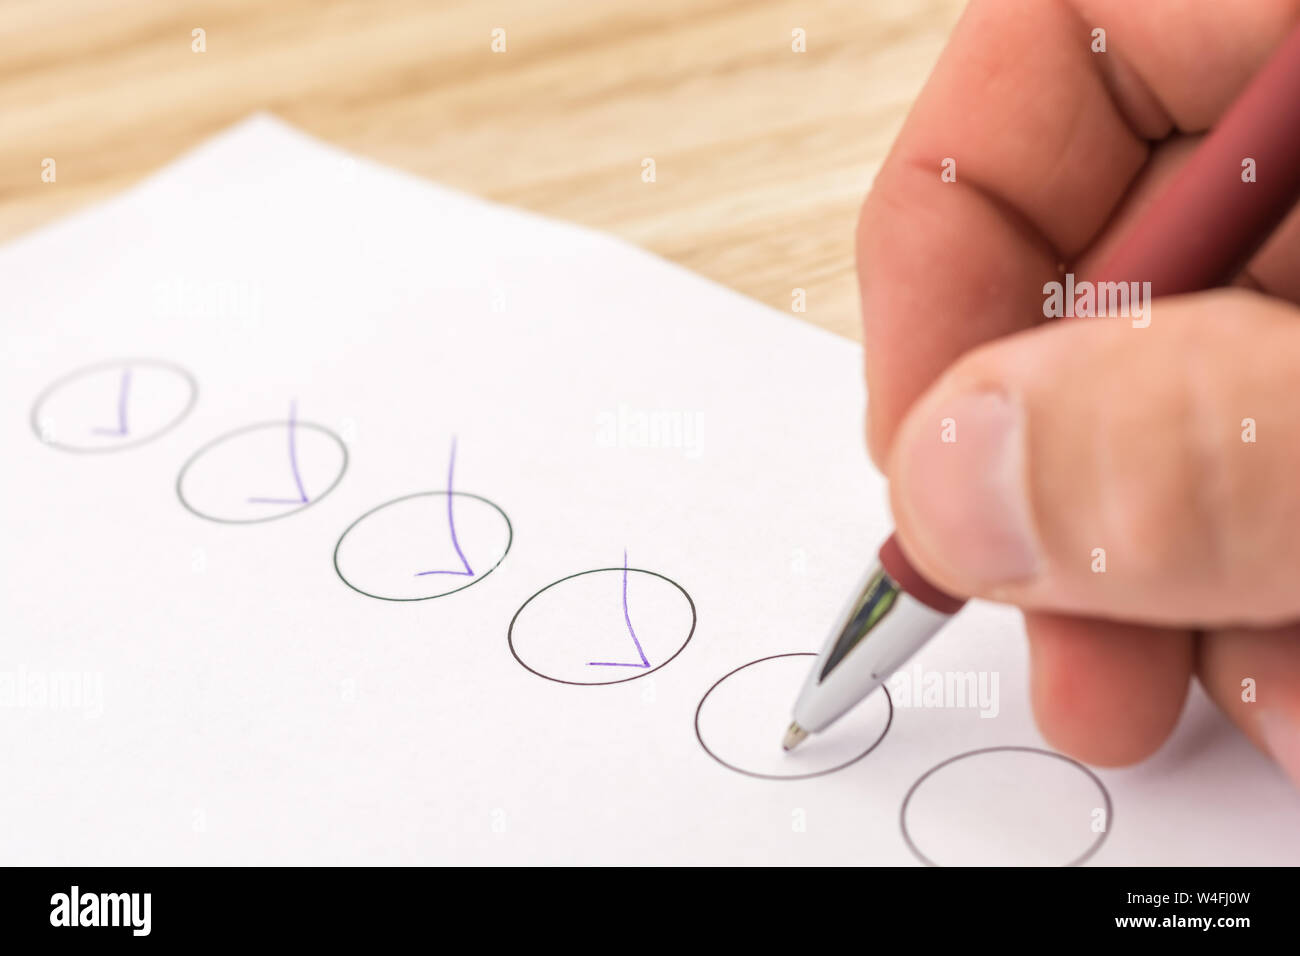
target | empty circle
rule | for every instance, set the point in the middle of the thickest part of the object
(1006, 806)
(740, 723)
(421, 546)
(112, 406)
(262, 472)
(604, 626)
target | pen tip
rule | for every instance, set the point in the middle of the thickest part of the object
(793, 737)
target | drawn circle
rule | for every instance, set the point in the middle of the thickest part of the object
(1008, 794)
(226, 496)
(749, 705)
(593, 622)
(392, 542)
(92, 396)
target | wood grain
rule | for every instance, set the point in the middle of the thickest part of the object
(762, 154)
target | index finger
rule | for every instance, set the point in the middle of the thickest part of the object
(1042, 139)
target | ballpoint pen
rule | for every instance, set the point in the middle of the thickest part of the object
(1197, 233)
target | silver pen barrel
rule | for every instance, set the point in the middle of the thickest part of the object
(881, 628)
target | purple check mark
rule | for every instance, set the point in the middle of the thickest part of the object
(123, 390)
(468, 572)
(645, 663)
(302, 498)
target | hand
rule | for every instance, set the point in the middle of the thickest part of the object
(1171, 453)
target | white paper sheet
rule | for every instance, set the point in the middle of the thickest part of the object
(184, 681)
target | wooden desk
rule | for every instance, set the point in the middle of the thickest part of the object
(761, 154)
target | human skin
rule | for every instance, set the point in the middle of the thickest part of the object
(1086, 434)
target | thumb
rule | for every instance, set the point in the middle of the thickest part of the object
(1091, 467)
